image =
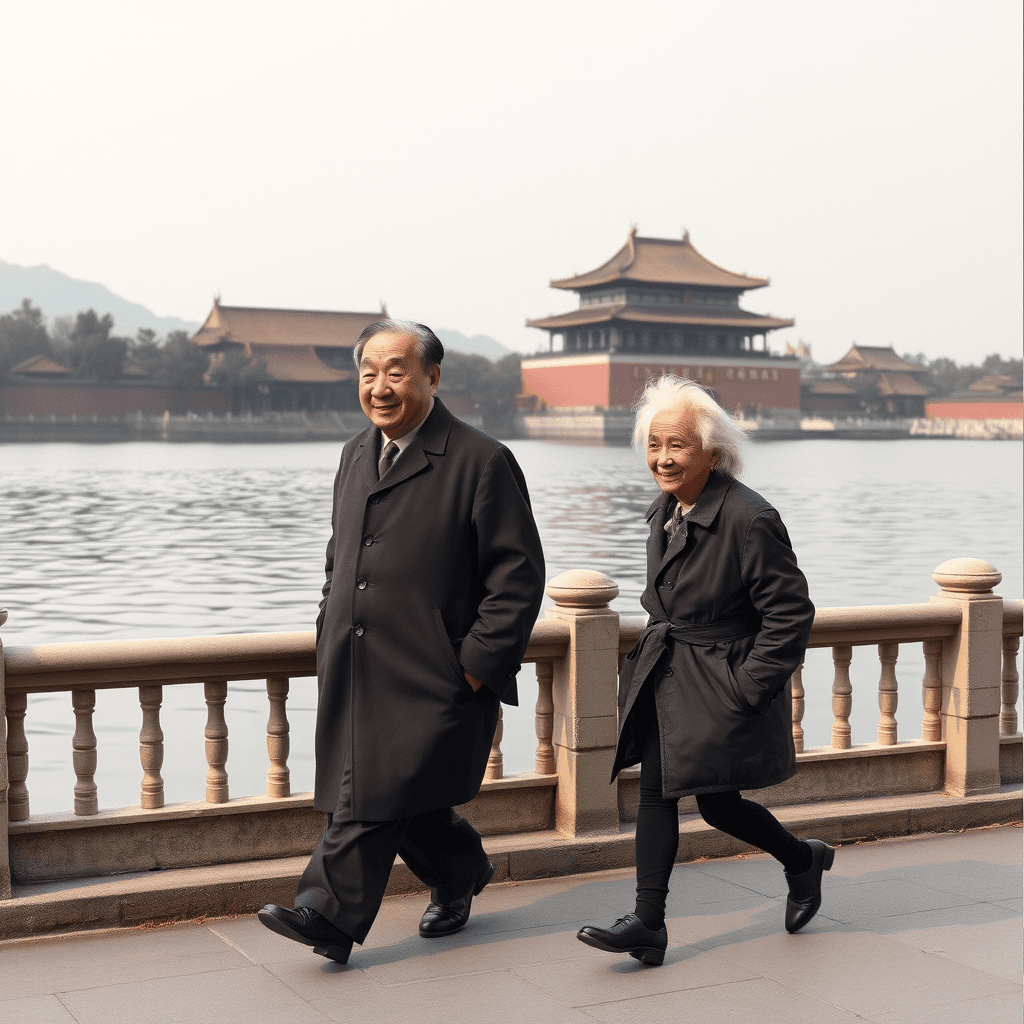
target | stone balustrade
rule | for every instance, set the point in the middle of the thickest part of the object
(969, 743)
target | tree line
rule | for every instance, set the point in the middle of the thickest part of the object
(944, 376)
(86, 344)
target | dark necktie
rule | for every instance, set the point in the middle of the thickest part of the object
(386, 458)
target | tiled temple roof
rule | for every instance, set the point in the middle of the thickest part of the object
(660, 261)
(603, 313)
(873, 357)
(41, 366)
(900, 384)
(284, 341)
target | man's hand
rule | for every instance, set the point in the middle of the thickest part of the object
(473, 681)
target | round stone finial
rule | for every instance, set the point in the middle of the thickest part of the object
(582, 588)
(967, 576)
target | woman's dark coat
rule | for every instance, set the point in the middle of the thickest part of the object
(435, 570)
(729, 591)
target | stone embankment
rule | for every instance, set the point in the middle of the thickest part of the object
(575, 426)
(273, 426)
(979, 430)
(615, 426)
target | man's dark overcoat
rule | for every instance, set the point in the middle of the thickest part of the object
(730, 620)
(435, 570)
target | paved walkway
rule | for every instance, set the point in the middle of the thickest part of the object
(913, 930)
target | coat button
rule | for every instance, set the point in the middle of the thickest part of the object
(361, 584)
(668, 671)
(375, 500)
(360, 631)
(669, 585)
(367, 541)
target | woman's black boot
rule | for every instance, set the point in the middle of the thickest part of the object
(805, 889)
(628, 935)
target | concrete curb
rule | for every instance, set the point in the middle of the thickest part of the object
(182, 894)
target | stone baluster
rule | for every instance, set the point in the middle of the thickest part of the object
(495, 762)
(842, 696)
(84, 756)
(544, 757)
(5, 853)
(931, 690)
(278, 743)
(216, 742)
(583, 695)
(797, 697)
(151, 747)
(888, 694)
(971, 676)
(17, 757)
(1009, 687)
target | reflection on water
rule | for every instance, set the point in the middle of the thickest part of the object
(142, 540)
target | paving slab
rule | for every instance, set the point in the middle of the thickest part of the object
(860, 971)
(743, 1002)
(911, 931)
(36, 1010)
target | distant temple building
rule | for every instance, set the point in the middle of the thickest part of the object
(659, 306)
(870, 380)
(301, 359)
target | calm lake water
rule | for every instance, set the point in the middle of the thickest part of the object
(157, 540)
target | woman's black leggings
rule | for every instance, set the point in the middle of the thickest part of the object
(657, 823)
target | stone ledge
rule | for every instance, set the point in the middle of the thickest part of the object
(191, 893)
(58, 847)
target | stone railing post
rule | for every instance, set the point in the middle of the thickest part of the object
(584, 692)
(5, 855)
(971, 664)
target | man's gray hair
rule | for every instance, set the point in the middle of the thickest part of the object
(678, 396)
(428, 345)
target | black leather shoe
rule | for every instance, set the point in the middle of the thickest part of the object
(448, 918)
(628, 935)
(805, 889)
(307, 926)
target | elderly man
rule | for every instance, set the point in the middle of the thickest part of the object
(434, 579)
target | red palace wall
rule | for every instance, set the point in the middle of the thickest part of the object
(97, 400)
(568, 386)
(940, 410)
(618, 384)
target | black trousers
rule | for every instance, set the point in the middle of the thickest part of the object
(348, 872)
(657, 823)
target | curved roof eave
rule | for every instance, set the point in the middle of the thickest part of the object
(661, 261)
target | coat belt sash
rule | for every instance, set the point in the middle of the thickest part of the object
(654, 640)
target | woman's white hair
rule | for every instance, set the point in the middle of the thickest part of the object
(677, 396)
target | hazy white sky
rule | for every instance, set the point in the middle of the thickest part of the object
(452, 157)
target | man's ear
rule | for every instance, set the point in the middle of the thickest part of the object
(435, 377)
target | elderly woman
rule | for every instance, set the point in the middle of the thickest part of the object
(699, 694)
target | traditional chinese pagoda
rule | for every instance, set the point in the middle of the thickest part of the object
(658, 305)
(302, 359)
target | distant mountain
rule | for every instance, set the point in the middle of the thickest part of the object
(56, 294)
(478, 345)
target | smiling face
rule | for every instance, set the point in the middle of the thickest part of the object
(676, 456)
(394, 389)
